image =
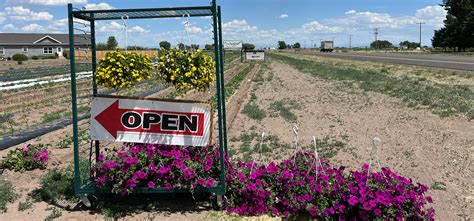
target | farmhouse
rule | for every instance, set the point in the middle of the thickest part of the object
(39, 44)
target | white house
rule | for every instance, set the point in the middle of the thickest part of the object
(39, 44)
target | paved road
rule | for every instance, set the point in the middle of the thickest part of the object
(438, 61)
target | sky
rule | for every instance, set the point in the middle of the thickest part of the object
(260, 22)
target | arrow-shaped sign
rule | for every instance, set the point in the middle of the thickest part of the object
(148, 121)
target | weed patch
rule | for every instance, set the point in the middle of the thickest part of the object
(283, 109)
(443, 100)
(22, 206)
(6, 194)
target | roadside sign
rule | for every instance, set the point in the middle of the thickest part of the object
(255, 55)
(230, 45)
(184, 123)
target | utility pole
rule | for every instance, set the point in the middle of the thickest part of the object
(304, 44)
(311, 46)
(350, 42)
(420, 23)
(376, 32)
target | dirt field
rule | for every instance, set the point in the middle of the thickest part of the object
(417, 143)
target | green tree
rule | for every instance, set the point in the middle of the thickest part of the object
(101, 47)
(409, 45)
(208, 47)
(181, 46)
(194, 46)
(281, 45)
(165, 45)
(297, 45)
(247, 46)
(112, 43)
(381, 44)
(458, 30)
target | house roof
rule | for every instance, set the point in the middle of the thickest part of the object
(41, 39)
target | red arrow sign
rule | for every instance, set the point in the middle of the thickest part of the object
(150, 122)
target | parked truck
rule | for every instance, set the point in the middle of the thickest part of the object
(327, 46)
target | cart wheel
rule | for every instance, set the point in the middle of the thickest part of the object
(219, 202)
(90, 201)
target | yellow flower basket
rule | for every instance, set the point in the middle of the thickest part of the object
(186, 70)
(120, 70)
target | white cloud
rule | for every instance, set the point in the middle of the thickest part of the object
(110, 27)
(283, 16)
(32, 27)
(193, 30)
(100, 6)
(315, 26)
(2, 16)
(432, 15)
(25, 14)
(48, 2)
(138, 29)
(350, 12)
(238, 26)
(10, 27)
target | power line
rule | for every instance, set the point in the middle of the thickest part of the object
(376, 32)
(350, 42)
(420, 23)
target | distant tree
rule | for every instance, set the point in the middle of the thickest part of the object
(165, 45)
(247, 46)
(136, 47)
(381, 44)
(288, 46)
(181, 46)
(281, 45)
(408, 44)
(208, 47)
(194, 46)
(297, 45)
(458, 30)
(101, 47)
(112, 43)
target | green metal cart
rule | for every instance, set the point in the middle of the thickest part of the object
(86, 190)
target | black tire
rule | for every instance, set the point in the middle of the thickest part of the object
(94, 201)
(219, 206)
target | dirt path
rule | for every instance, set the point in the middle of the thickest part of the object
(416, 143)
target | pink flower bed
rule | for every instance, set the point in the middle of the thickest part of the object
(299, 186)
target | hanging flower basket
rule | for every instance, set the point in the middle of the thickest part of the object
(120, 70)
(186, 70)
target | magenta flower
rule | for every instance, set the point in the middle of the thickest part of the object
(164, 170)
(210, 182)
(151, 185)
(139, 175)
(132, 183)
(168, 186)
(401, 199)
(377, 212)
(131, 160)
(353, 201)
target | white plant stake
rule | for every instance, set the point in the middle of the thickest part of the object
(319, 165)
(374, 155)
(260, 152)
(186, 30)
(125, 28)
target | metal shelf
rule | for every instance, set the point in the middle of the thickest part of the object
(142, 13)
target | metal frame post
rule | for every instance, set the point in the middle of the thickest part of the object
(77, 176)
(219, 92)
(221, 61)
(94, 85)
